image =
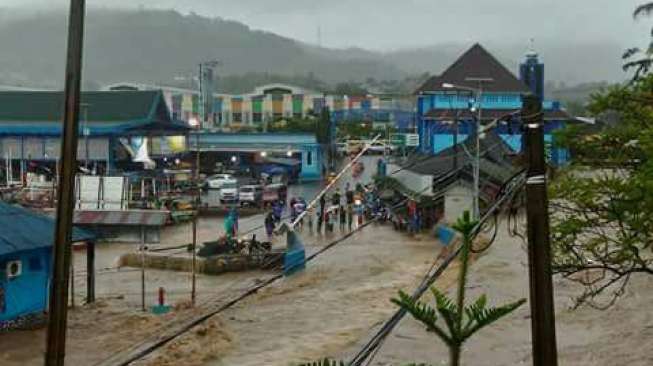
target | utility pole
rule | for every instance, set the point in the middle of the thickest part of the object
(196, 179)
(539, 247)
(58, 302)
(90, 272)
(477, 160)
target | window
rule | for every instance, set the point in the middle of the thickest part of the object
(238, 117)
(309, 158)
(35, 264)
(256, 117)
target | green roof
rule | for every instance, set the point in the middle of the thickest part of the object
(43, 106)
(107, 113)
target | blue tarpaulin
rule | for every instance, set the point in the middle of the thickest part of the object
(295, 258)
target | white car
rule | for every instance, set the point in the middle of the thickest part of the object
(251, 195)
(217, 180)
(229, 191)
(379, 148)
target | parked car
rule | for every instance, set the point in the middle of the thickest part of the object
(341, 148)
(217, 180)
(229, 191)
(379, 148)
(251, 195)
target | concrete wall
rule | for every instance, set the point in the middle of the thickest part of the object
(422, 183)
(457, 200)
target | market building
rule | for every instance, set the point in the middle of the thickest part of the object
(299, 154)
(112, 127)
(447, 102)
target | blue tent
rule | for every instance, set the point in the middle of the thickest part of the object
(26, 240)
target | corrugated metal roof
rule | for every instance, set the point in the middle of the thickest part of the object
(21, 229)
(477, 62)
(491, 114)
(255, 138)
(107, 113)
(120, 217)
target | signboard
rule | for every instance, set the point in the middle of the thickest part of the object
(88, 192)
(398, 139)
(412, 139)
(405, 139)
(112, 193)
(104, 193)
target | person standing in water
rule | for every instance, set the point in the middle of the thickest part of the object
(350, 216)
(310, 214)
(269, 225)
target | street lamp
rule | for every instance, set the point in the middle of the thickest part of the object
(477, 161)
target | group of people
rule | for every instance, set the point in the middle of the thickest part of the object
(341, 210)
(338, 210)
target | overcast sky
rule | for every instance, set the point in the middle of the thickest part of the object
(386, 24)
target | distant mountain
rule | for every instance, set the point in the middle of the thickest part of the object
(156, 46)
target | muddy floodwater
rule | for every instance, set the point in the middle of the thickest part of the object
(330, 309)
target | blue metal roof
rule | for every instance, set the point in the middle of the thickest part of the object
(256, 138)
(21, 229)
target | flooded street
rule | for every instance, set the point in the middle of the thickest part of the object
(342, 293)
(328, 310)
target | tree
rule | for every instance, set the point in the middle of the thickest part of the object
(460, 321)
(602, 205)
(638, 59)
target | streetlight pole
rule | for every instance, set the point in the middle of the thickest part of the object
(477, 159)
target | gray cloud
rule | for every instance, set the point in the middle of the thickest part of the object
(384, 24)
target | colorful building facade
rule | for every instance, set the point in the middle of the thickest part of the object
(272, 102)
(447, 108)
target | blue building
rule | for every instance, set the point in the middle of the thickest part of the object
(445, 102)
(300, 150)
(26, 241)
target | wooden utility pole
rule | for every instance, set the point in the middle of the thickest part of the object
(539, 247)
(90, 272)
(196, 179)
(143, 269)
(58, 311)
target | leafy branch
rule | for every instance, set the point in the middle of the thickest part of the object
(452, 321)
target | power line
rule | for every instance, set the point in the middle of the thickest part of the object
(371, 347)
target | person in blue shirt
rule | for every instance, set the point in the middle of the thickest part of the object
(277, 211)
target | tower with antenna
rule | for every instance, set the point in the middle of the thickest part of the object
(531, 71)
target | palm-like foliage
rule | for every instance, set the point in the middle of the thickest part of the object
(324, 362)
(637, 59)
(330, 362)
(459, 322)
(644, 9)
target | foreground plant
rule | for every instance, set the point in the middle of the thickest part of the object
(459, 322)
(330, 362)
